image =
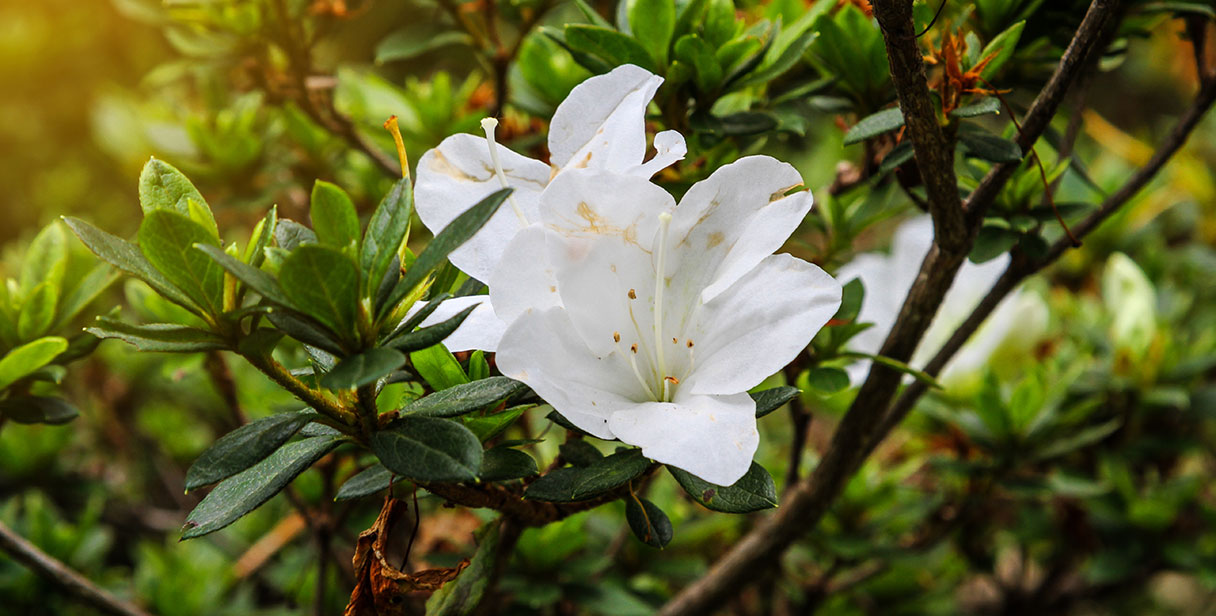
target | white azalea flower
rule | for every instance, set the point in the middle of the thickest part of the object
(601, 125)
(646, 322)
(887, 279)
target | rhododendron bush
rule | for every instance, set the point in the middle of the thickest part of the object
(592, 307)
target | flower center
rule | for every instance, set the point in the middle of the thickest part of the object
(488, 125)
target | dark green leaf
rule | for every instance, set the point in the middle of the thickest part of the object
(324, 283)
(1083, 438)
(417, 318)
(986, 106)
(428, 449)
(369, 481)
(386, 230)
(610, 45)
(37, 410)
(770, 400)
(430, 336)
(874, 125)
(754, 492)
(305, 330)
(126, 256)
(167, 240)
(827, 379)
(158, 337)
(695, 52)
(363, 369)
(747, 123)
(578, 452)
(289, 235)
(557, 418)
(258, 280)
(648, 523)
(333, 215)
(242, 448)
(450, 238)
(853, 294)
(571, 484)
(989, 147)
(505, 464)
(992, 242)
(248, 490)
(465, 398)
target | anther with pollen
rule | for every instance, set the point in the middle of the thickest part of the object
(633, 294)
(634, 347)
(671, 379)
(690, 344)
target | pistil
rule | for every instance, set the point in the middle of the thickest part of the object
(488, 125)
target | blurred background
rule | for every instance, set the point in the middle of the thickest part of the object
(1069, 472)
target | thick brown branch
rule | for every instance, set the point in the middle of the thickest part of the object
(63, 576)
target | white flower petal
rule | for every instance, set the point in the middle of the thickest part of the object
(602, 123)
(669, 147)
(524, 278)
(730, 221)
(457, 175)
(482, 329)
(759, 324)
(590, 204)
(543, 350)
(712, 437)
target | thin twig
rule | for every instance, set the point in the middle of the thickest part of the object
(64, 576)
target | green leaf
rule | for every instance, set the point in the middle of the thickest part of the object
(478, 368)
(695, 52)
(648, 523)
(363, 369)
(770, 400)
(333, 215)
(167, 240)
(489, 426)
(38, 311)
(991, 242)
(431, 336)
(303, 328)
(38, 410)
(258, 280)
(465, 398)
(450, 238)
(369, 481)
(127, 257)
(248, 490)
(324, 283)
(428, 449)
(652, 23)
(983, 107)
(386, 231)
(853, 294)
(83, 294)
(592, 16)
(874, 125)
(1001, 47)
(747, 123)
(754, 492)
(827, 379)
(506, 464)
(27, 358)
(461, 596)
(989, 147)
(289, 235)
(158, 337)
(438, 367)
(407, 44)
(242, 448)
(1083, 438)
(163, 187)
(255, 252)
(613, 46)
(572, 484)
(45, 260)
(578, 452)
(781, 56)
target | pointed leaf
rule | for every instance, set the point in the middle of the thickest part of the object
(363, 369)
(770, 400)
(244, 447)
(615, 47)
(333, 215)
(38, 410)
(27, 358)
(571, 484)
(430, 336)
(755, 491)
(158, 337)
(167, 240)
(874, 125)
(258, 280)
(465, 398)
(324, 283)
(38, 311)
(428, 449)
(386, 230)
(648, 523)
(163, 187)
(370, 480)
(506, 464)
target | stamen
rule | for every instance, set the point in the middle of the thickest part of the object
(660, 280)
(488, 125)
(633, 363)
(633, 294)
(671, 379)
(616, 336)
(391, 126)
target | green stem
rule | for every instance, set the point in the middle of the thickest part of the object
(336, 416)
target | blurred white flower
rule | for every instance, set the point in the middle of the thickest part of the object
(646, 322)
(601, 125)
(887, 279)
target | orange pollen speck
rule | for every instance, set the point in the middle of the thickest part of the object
(674, 341)
(634, 348)
(690, 344)
(633, 294)
(616, 336)
(671, 379)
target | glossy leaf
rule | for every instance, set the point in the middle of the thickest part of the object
(489, 426)
(258, 280)
(248, 490)
(571, 484)
(370, 480)
(163, 187)
(324, 283)
(465, 398)
(615, 47)
(652, 23)
(438, 367)
(770, 400)
(874, 125)
(431, 335)
(29, 357)
(45, 260)
(428, 449)
(158, 337)
(244, 447)
(333, 215)
(38, 311)
(828, 379)
(648, 523)
(989, 147)
(386, 230)
(755, 491)
(167, 240)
